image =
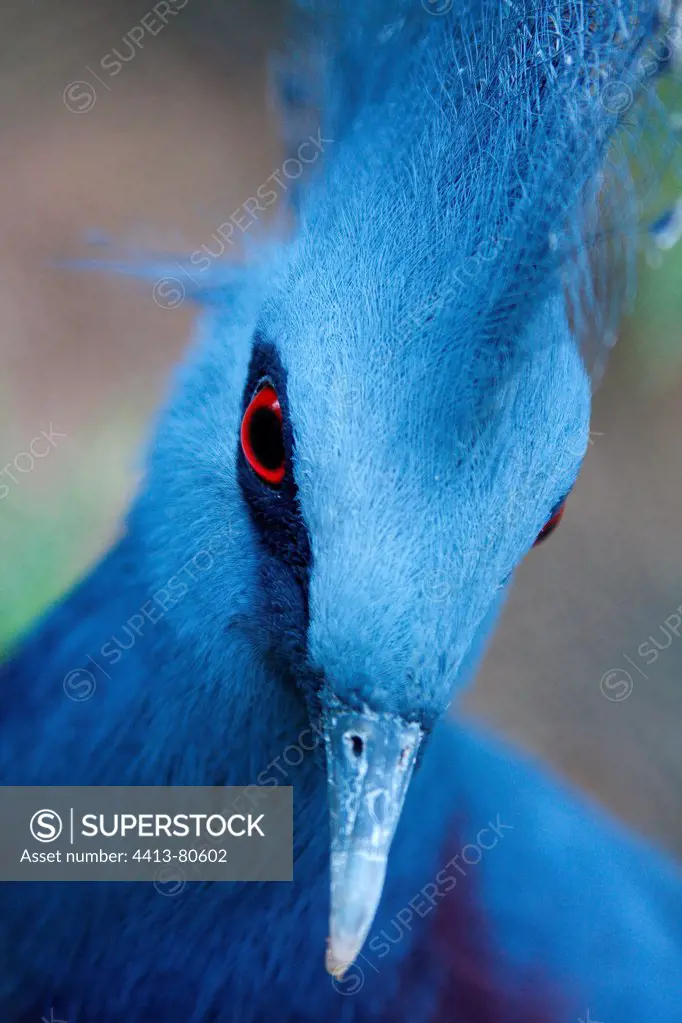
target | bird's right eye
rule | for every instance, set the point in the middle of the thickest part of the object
(262, 438)
(551, 523)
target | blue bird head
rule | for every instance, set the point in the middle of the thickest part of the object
(386, 411)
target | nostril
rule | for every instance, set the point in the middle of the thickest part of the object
(357, 745)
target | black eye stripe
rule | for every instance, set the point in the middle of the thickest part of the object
(274, 510)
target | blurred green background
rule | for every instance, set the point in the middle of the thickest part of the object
(172, 145)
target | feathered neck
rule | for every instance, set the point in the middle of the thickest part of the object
(130, 695)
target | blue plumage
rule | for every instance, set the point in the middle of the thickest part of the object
(420, 334)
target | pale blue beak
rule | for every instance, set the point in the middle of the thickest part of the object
(370, 759)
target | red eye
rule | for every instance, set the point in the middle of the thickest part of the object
(262, 438)
(551, 523)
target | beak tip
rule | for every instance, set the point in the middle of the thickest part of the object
(334, 966)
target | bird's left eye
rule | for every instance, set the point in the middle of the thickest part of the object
(551, 523)
(262, 438)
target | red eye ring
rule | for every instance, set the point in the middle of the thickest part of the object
(551, 523)
(262, 438)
